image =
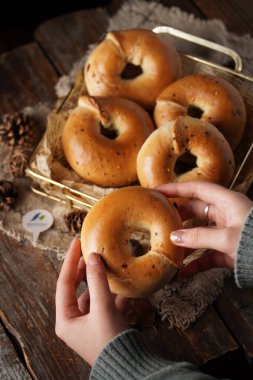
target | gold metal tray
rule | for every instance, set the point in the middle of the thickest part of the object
(243, 178)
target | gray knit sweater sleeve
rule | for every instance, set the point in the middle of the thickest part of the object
(127, 358)
(244, 257)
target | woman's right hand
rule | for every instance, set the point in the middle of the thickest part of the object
(227, 208)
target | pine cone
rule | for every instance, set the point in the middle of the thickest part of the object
(17, 129)
(74, 220)
(18, 160)
(8, 195)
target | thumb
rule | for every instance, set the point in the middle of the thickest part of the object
(100, 294)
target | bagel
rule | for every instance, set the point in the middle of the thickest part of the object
(158, 156)
(108, 228)
(102, 137)
(153, 64)
(209, 97)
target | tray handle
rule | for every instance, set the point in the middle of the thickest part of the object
(250, 150)
(76, 198)
(203, 42)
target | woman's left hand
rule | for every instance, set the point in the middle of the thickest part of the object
(88, 323)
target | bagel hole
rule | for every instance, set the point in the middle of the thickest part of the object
(131, 71)
(139, 246)
(195, 112)
(109, 132)
(185, 163)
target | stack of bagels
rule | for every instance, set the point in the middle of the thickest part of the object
(139, 119)
(135, 122)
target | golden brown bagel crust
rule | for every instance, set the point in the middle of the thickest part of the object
(159, 61)
(158, 155)
(107, 230)
(221, 103)
(98, 159)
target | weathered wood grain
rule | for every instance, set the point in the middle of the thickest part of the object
(11, 367)
(184, 5)
(28, 276)
(209, 338)
(205, 340)
(235, 306)
(27, 291)
(237, 15)
(13, 37)
(26, 78)
(65, 39)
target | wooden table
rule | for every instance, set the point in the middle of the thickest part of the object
(220, 342)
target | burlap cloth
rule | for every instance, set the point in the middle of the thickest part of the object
(184, 300)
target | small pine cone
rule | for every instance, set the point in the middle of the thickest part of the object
(8, 195)
(17, 129)
(74, 220)
(19, 160)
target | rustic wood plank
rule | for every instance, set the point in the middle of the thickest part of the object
(65, 39)
(170, 343)
(184, 5)
(235, 306)
(205, 340)
(237, 14)
(26, 78)
(15, 36)
(28, 276)
(11, 367)
(209, 338)
(27, 290)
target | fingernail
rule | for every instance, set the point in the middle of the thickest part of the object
(177, 237)
(94, 259)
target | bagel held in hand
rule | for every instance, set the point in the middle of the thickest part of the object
(157, 61)
(217, 101)
(108, 227)
(102, 137)
(158, 155)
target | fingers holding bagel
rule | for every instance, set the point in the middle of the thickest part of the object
(205, 191)
(221, 239)
(227, 207)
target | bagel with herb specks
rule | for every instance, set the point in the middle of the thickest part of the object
(136, 64)
(210, 98)
(102, 137)
(108, 229)
(159, 154)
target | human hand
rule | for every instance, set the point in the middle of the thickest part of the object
(88, 323)
(227, 208)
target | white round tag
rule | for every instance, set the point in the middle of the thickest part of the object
(37, 221)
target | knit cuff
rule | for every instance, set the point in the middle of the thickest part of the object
(244, 257)
(126, 357)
